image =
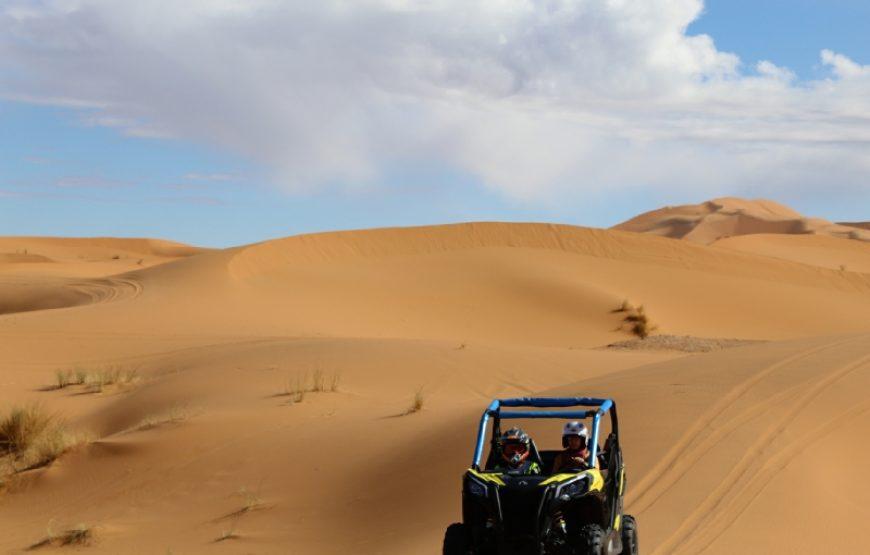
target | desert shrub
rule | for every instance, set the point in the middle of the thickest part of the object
(21, 428)
(639, 323)
(636, 320)
(31, 438)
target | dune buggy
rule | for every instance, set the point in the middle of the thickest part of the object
(574, 511)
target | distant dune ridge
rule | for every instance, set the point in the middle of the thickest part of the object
(727, 217)
(219, 438)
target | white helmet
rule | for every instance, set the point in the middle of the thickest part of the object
(574, 429)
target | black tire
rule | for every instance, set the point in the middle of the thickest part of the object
(456, 540)
(590, 540)
(629, 535)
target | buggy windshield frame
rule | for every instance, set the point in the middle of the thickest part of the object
(600, 407)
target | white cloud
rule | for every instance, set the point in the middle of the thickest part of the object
(843, 67)
(531, 97)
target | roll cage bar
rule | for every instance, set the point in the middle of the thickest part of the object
(494, 411)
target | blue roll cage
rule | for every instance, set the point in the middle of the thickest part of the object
(494, 411)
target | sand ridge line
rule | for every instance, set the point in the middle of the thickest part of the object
(663, 469)
(712, 503)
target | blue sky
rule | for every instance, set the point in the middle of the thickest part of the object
(72, 171)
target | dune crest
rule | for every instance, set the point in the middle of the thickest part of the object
(726, 217)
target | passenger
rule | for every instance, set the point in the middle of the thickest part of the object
(515, 450)
(576, 454)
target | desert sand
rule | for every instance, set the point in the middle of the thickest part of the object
(205, 446)
(727, 217)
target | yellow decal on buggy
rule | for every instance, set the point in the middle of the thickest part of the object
(597, 480)
(555, 478)
(617, 522)
(487, 477)
(621, 480)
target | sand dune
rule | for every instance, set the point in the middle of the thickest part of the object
(39, 273)
(727, 217)
(815, 250)
(204, 440)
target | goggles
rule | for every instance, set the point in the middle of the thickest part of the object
(514, 448)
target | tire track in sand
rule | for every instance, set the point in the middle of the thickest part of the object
(107, 290)
(667, 472)
(755, 486)
(685, 463)
(712, 504)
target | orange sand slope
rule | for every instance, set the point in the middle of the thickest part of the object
(816, 250)
(38, 273)
(204, 447)
(726, 217)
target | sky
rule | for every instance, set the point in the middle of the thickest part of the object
(220, 123)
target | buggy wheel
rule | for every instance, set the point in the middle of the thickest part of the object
(590, 540)
(629, 535)
(456, 540)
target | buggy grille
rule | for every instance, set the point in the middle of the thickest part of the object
(519, 508)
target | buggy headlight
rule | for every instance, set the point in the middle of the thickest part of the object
(476, 488)
(574, 487)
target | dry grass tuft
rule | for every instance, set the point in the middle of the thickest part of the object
(174, 415)
(334, 382)
(315, 382)
(96, 380)
(228, 534)
(636, 320)
(111, 375)
(50, 446)
(31, 438)
(417, 403)
(20, 429)
(79, 535)
(63, 378)
(624, 307)
(252, 500)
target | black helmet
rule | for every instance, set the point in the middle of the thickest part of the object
(515, 446)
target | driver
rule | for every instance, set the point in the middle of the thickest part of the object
(515, 450)
(576, 453)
